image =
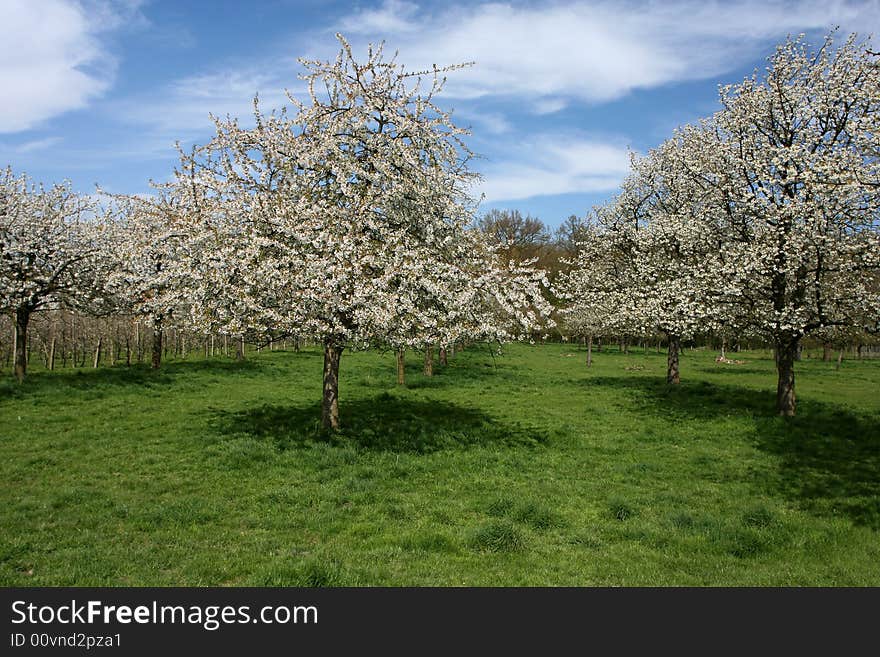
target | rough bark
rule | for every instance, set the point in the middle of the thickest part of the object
(401, 367)
(330, 399)
(826, 352)
(156, 360)
(786, 349)
(429, 360)
(97, 360)
(672, 355)
(443, 358)
(22, 317)
(239, 349)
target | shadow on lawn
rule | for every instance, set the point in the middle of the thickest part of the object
(384, 423)
(829, 456)
(139, 374)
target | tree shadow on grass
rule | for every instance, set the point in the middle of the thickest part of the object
(384, 423)
(139, 374)
(829, 455)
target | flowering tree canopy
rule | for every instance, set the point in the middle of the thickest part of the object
(145, 274)
(796, 183)
(49, 246)
(347, 220)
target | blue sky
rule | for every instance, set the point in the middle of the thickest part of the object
(98, 91)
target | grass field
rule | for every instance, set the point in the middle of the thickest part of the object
(528, 469)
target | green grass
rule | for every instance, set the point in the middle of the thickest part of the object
(528, 469)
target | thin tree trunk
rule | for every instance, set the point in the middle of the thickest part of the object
(239, 349)
(589, 351)
(839, 359)
(401, 367)
(22, 317)
(444, 360)
(723, 348)
(673, 376)
(826, 351)
(330, 400)
(157, 345)
(138, 342)
(785, 396)
(429, 360)
(98, 352)
(127, 351)
(52, 354)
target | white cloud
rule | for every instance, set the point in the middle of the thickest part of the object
(52, 59)
(555, 164)
(181, 110)
(393, 16)
(36, 145)
(596, 51)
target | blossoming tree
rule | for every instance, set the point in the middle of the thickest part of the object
(346, 220)
(145, 277)
(796, 182)
(48, 252)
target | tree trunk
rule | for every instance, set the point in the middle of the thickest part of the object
(723, 348)
(826, 351)
(330, 400)
(52, 354)
(157, 345)
(401, 367)
(139, 342)
(589, 351)
(672, 373)
(839, 359)
(239, 349)
(785, 397)
(443, 359)
(97, 360)
(429, 360)
(22, 317)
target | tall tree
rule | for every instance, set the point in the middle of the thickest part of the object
(146, 279)
(346, 219)
(516, 237)
(49, 248)
(796, 176)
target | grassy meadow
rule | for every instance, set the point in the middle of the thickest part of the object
(521, 469)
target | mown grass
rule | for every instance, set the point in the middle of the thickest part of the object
(527, 469)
